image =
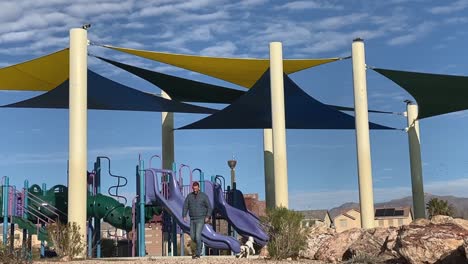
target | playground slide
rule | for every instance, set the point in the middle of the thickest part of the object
(244, 223)
(174, 204)
(240, 202)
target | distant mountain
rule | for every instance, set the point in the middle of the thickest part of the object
(459, 203)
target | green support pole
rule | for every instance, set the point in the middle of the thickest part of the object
(44, 192)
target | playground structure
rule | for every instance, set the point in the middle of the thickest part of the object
(34, 207)
(164, 191)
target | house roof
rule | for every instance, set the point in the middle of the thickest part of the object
(314, 214)
(346, 211)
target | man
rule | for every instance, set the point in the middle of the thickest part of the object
(199, 209)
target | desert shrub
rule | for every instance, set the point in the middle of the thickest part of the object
(17, 256)
(287, 237)
(362, 258)
(66, 239)
(437, 206)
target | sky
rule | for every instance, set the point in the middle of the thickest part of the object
(423, 36)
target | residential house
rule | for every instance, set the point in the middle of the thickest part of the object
(393, 216)
(18, 237)
(314, 217)
(383, 217)
(348, 219)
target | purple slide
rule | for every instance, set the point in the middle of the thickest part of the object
(174, 204)
(244, 223)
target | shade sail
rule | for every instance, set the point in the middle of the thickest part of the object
(253, 110)
(181, 89)
(436, 94)
(243, 72)
(105, 94)
(349, 109)
(41, 74)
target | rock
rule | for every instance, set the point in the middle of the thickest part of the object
(441, 219)
(376, 243)
(332, 250)
(432, 243)
(421, 221)
(263, 252)
(460, 222)
(465, 246)
(317, 236)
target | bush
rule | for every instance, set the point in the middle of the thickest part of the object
(66, 240)
(362, 258)
(437, 206)
(18, 256)
(287, 237)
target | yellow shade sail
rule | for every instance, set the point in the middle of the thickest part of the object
(41, 74)
(243, 72)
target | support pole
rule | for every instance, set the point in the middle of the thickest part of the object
(366, 196)
(97, 220)
(268, 165)
(167, 120)
(279, 125)
(78, 144)
(25, 214)
(415, 161)
(44, 193)
(141, 211)
(5, 210)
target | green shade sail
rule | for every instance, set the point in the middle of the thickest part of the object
(436, 94)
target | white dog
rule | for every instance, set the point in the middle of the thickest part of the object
(247, 249)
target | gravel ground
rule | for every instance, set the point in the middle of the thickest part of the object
(174, 260)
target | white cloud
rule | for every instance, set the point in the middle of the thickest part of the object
(449, 8)
(189, 17)
(223, 49)
(251, 3)
(311, 4)
(17, 36)
(457, 20)
(159, 8)
(92, 8)
(332, 40)
(333, 23)
(9, 11)
(417, 33)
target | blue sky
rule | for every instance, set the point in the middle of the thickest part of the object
(426, 36)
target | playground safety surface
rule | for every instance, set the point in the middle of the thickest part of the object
(174, 260)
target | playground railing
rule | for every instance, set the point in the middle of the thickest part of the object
(43, 204)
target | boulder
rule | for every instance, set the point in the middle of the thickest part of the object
(375, 243)
(432, 243)
(333, 249)
(317, 236)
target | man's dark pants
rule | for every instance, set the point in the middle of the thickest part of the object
(196, 227)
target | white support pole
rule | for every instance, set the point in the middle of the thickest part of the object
(279, 125)
(366, 195)
(167, 120)
(415, 161)
(269, 168)
(78, 144)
